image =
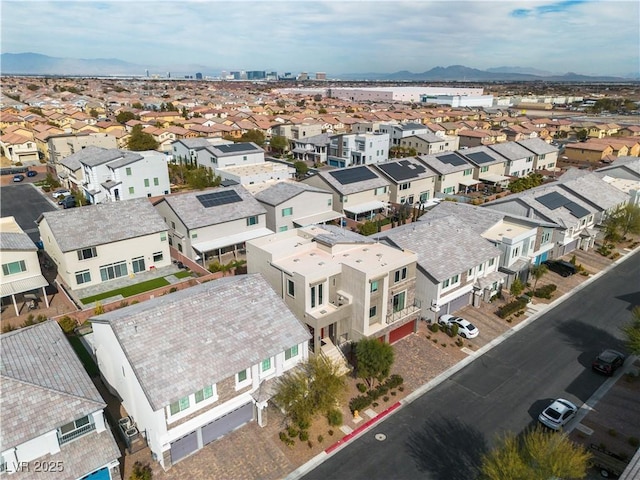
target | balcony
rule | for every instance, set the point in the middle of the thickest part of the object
(404, 313)
(78, 432)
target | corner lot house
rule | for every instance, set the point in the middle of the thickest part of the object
(98, 243)
(196, 364)
(51, 414)
(20, 264)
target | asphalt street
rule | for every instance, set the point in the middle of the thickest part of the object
(25, 203)
(443, 434)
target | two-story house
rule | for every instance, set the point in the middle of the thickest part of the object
(111, 175)
(519, 159)
(20, 264)
(430, 143)
(624, 175)
(213, 224)
(455, 173)
(342, 285)
(193, 365)
(311, 149)
(187, 151)
(545, 154)
(52, 420)
(18, 148)
(351, 149)
(399, 131)
(99, 243)
(489, 166)
(292, 204)
(410, 181)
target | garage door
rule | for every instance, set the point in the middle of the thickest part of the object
(456, 304)
(224, 425)
(401, 332)
(184, 446)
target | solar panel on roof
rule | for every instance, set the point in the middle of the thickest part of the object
(555, 200)
(235, 147)
(219, 198)
(403, 170)
(576, 210)
(353, 175)
(452, 159)
(481, 157)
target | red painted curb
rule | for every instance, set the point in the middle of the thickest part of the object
(362, 427)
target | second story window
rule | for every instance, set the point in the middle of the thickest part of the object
(400, 275)
(291, 288)
(87, 253)
(374, 286)
(252, 220)
(316, 295)
(202, 395)
(75, 429)
(14, 267)
(468, 172)
(179, 406)
(128, 171)
(291, 353)
(287, 212)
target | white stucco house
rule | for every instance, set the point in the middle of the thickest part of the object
(52, 422)
(193, 365)
(99, 243)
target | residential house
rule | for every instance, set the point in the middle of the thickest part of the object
(111, 175)
(342, 285)
(430, 143)
(19, 149)
(64, 145)
(455, 173)
(399, 131)
(98, 243)
(192, 151)
(196, 364)
(476, 138)
(293, 204)
(213, 224)
(623, 174)
(411, 182)
(359, 192)
(545, 155)
(311, 149)
(52, 421)
(630, 131)
(519, 159)
(489, 166)
(589, 152)
(21, 273)
(450, 274)
(351, 149)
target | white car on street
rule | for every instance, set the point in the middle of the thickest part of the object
(558, 414)
(466, 329)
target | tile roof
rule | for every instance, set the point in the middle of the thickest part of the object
(104, 223)
(44, 385)
(511, 150)
(591, 188)
(537, 146)
(181, 342)
(355, 187)
(16, 241)
(283, 191)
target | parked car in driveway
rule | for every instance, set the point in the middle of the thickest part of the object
(608, 361)
(466, 329)
(561, 267)
(18, 178)
(63, 192)
(558, 414)
(68, 202)
(31, 173)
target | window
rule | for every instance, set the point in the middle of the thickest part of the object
(468, 171)
(291, 288)
(398, 301)
(374, 286)
(163, 237)
(157, 257)
(206, 392)
(492, 261)
(291, 352)
(131, 190)
(405, 186)
(265, 366)
(344, 199)
(424, 196)
(156, 182)
(381, 190)
(179, 406)
(316, 295)
(373, 311)
(138, 264)
(401, 274)
(83, 277)
(480, 267)
(244, 157)
(449, 190)
(86, 253)
(114, 270)
(283, 229)
(242, 376)
(75, 429)
(328, 202)
(470, 272)
(252, 220)
(287, 212)
(173, 225)
(146, 182)
(410, 200)
(14, 267)
(515, 252)
(194, 235)
(128, 171)
(484, 169)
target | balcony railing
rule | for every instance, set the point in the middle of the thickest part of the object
(67, 437)
(404, 313)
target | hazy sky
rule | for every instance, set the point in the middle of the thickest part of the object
(348, 36)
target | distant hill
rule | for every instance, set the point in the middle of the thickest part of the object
(37, 64)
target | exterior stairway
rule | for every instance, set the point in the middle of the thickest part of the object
(332, 353)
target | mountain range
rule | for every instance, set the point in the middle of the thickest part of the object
(38, 64)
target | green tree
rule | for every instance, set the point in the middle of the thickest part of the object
(322, 110)
(629, 219)
(538, 455)
(632, 332)
(255, 136)
(124, 116)
(94, 113)
(516, 287)
(137, 105)
(537, 272)
(200, 178)
(279, 143)
(139, 140)
(374, 360)
(301, 168)
(368, 228)
(141, 471)
(582, 134)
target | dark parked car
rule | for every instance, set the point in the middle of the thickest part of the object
(608, 361)
(68, 202)
(18, 178)
(32, 173)
(562, 268)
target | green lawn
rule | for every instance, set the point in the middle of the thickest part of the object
(84, 356)
(183, 274)
(128, 291)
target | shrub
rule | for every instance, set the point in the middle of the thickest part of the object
(309, 444)
(303, 423)
(9, 328)
(452, 330)
(334, 417)
(98, 309)
(459, 342)
(359, 403)
(330, 432)
(374, 404)
(283, 436)
(434, 327)
(123, 304)
(141, 472)
(292, 431)
(393, 393)
(67, 324)
(511, 307)
(386, 399)
(320, 439)
(173, 289)
(545, 291)
(304, 435)
(401, 388)
(361, 387)
(612, 432)
(394, 381)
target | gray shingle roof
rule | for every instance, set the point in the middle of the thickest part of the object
(181, 342)
(355, 187)
(445, 245)
(537, 146)
(511, 150)
(194, 215)
(283, 191)
(468, 153)
(592, 189)
(16, 241)
(234, 149)
(430, 137)
(441, 167)
(338, 235)
(104, 223)
(44, 385)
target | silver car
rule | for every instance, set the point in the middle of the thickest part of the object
(558, 414)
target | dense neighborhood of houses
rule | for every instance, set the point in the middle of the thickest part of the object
(199, 362)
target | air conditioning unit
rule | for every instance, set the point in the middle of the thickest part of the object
(125, 423)
(131, 432)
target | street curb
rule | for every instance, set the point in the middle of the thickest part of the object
(339, 445)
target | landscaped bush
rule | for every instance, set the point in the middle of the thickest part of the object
(452, 330)
(361, 387)
(359, 402)
(304, 435)
(363, 401)
(434, 327)
(511, 307)
(394, 381)
(67, 324)
(292, 431)
(545, 291)
(334, 417)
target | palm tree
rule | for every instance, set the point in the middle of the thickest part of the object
(538, 271)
